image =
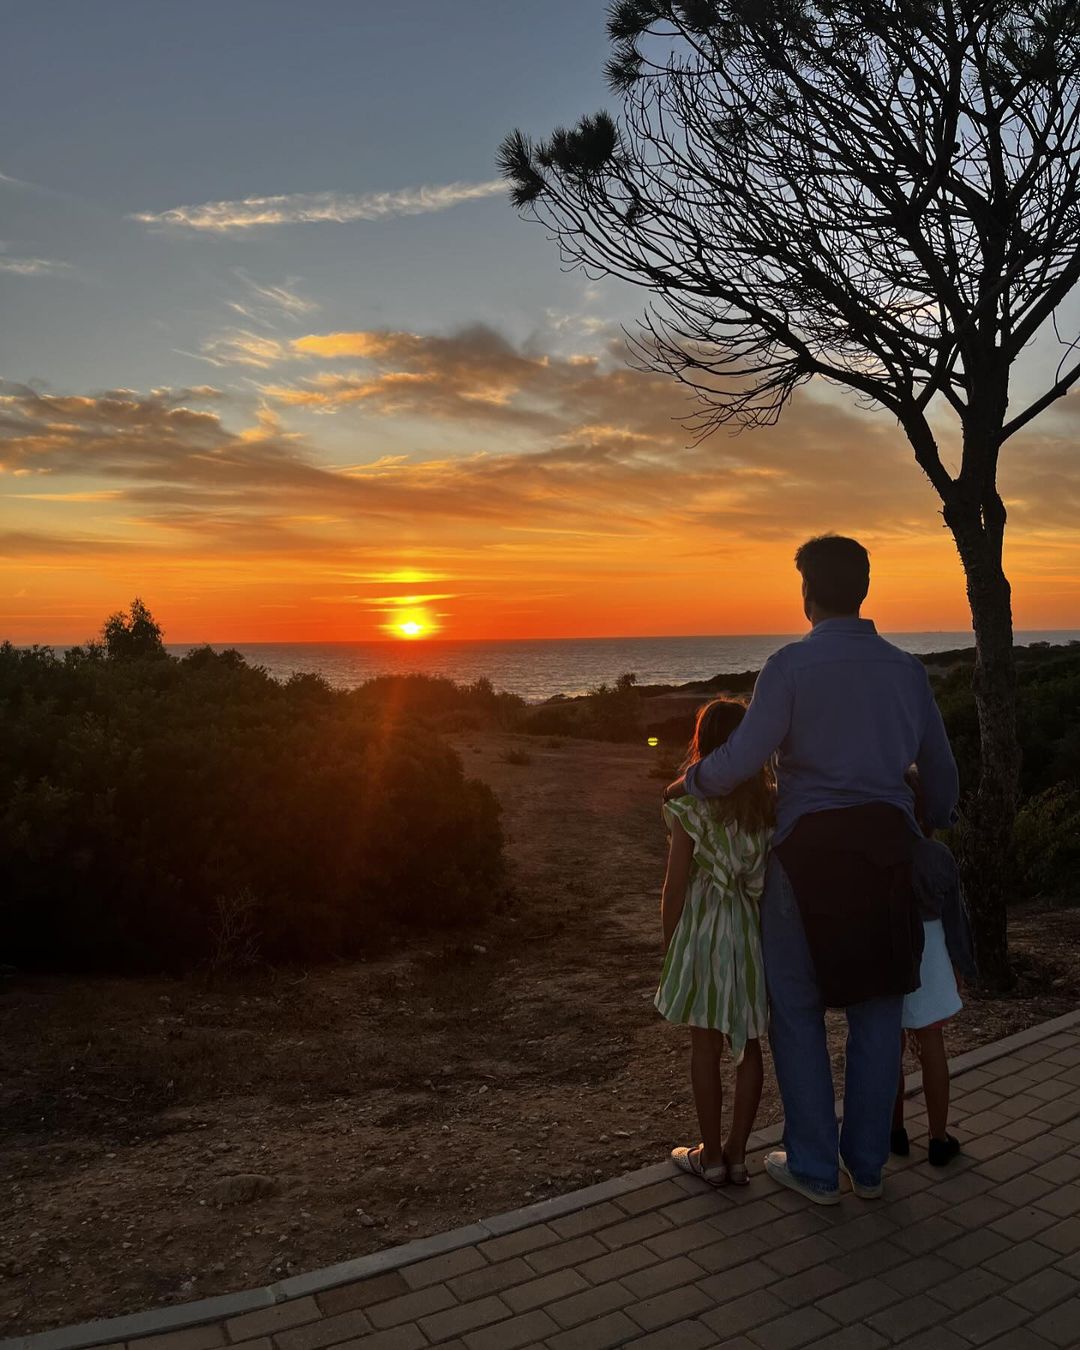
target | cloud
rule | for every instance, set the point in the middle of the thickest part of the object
(34, 267)
(251, 213)
(579, 493)
(242, 347)
(285, 298)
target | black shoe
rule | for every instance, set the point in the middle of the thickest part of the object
(898, 1143)
(942, 1151)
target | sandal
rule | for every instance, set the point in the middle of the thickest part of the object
(738, 1174)
(689, 1160)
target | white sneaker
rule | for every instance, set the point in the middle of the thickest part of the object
(863, 1192)
(776, 1165)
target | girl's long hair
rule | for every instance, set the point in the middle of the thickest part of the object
(752, 805)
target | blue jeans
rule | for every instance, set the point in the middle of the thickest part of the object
(801, 1054)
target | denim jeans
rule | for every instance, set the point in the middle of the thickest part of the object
(801, 1054)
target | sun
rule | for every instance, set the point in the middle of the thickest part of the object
(410, 628)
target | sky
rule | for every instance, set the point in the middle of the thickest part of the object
(279, 357)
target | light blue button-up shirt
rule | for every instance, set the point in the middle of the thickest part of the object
(846, 713)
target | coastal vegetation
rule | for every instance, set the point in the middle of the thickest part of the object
(159, 813)
(165, 813)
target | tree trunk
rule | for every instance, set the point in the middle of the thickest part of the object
(986, 830)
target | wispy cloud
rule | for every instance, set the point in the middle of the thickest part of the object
(298, 208)
(34, 267)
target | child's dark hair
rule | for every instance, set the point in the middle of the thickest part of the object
(752, 805)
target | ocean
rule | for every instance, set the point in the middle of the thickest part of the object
(538, 669)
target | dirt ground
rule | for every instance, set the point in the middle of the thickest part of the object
(382, 1101)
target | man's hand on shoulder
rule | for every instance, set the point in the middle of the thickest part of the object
(676, 789)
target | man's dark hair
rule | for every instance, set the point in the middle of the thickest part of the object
(836, 572)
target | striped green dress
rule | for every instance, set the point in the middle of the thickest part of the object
(713, 973)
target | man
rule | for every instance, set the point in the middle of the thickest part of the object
(846, 713)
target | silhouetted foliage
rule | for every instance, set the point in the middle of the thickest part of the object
(883, 194)
(134, 634)
(158, 813)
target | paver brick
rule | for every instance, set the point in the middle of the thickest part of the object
(438, 1269)
(968, 1287)
(732, 1284)
(491, 1279)
(792, 1331)
(707, 1205)
(686, 1335)
(908, 1316)
(745, 1217)
(850, 1338)
(796, 1256)
(1018, 1262)
(927, 1235)
(464, 1317)
(728, 1252)
(974, 1248)
(1004, 1166)
(590, 1303)
(525, 1240)
(987, 1320)
(587, 1220)
(613, 1329)
(637, 1229)
(545, 1290)
(650, 1197)
(978, 1212)
(1056, 1112)
(1064, 1237)
(1059, 1170)
(1040, 1292)
(1022, 1190)
(810, 1285)
(565, 1254)
(1061, 1325)
(408, 1337)
(743, 1314)
(1023, 1223)
(1019, 1338)
(673, 1306)
(362, 1294)
(615, 1265)
(683, 1239)
(919, 1275)
(328, 1331)
(663, 1276)
(1063, 1201)
(511, 1335)
(858, 1301)
(407, 1308)
(872, 1260)
(189, 1338)
(266, 1321)
(937, 1338)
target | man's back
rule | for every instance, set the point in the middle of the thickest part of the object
(847, 714)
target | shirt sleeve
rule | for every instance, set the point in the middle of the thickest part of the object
(938, 777)
(757, 737)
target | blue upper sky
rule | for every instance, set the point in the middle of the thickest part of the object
(123, 107)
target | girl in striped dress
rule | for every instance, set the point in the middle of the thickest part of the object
(713, 978)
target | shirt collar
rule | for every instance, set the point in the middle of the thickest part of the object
(827, 627)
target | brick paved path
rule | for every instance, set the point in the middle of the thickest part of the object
(986, 1253)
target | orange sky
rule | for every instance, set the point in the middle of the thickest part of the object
(484, 490)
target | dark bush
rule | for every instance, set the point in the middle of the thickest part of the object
(1048, 843)
(143, 798)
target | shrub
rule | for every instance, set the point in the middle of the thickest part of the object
(1048, 843)
(143, 799)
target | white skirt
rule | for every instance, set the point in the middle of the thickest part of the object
(937, 997)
